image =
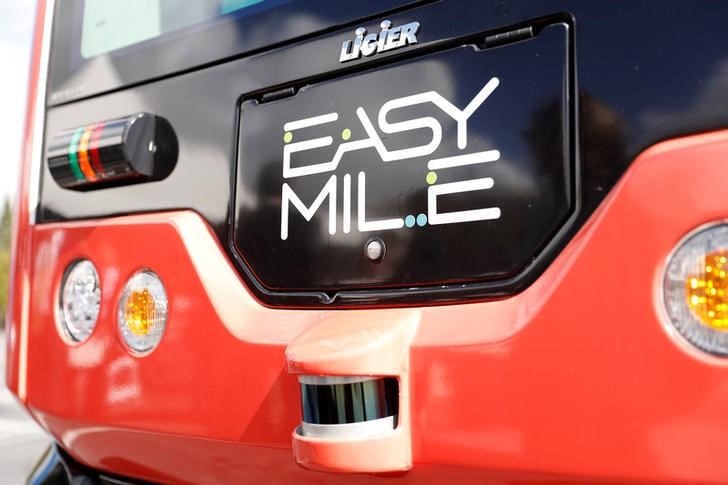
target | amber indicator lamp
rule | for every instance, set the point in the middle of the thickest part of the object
(695, 289)
(706, 291)
(142, 316)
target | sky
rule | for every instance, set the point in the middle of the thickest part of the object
(16, 32)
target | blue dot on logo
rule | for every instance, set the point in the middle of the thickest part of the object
(409, 221)
(421, 220)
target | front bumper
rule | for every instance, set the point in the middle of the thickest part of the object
(575, 377)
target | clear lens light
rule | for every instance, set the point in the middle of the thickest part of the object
(143, 311)
(79, 300)
(696, 289)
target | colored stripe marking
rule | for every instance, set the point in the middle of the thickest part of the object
(93, 150)
(73, 157)
(83, 154)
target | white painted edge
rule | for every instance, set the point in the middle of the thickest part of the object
(333, 380)
(36, 155)
(363, 429)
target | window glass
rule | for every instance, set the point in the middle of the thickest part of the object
(109, 25)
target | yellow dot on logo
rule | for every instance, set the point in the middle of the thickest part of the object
(288, 137)
(346, 134)
(431, 178)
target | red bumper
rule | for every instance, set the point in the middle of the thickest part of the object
(575, 377)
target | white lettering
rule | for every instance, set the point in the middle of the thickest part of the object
(364, 225)
(393, 38)
(434, 217)
(369, 45)
(387, 39)
(467, 159)
(288, 196)
(374, 140)
(347, 204)
(346, 51)
(409, 34)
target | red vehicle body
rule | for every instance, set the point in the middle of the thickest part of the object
(576, 377)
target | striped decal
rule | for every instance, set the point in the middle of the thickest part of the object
(83, 160)
(72, 154)
(93, 150)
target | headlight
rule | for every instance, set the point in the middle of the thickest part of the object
(79, 300)
(696, 286)
(143, 311)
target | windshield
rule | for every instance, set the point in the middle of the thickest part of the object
(111, 25)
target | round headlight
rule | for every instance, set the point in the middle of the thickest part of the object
(79, 300)
(696, 289)
(143, 311)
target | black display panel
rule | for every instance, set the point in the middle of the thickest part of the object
(456, 161)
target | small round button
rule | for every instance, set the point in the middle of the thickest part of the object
(375, 249)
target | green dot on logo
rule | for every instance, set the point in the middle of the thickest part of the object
(431, 178)
(288, 137)
(346, 134)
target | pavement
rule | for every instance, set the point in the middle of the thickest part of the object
(22, 441)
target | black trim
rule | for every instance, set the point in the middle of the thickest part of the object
(647, 71)
(355, 402)
(57, 467)
(438, 293)
(71, 78)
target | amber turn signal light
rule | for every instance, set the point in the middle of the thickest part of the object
(696, 289)
(142, 314)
